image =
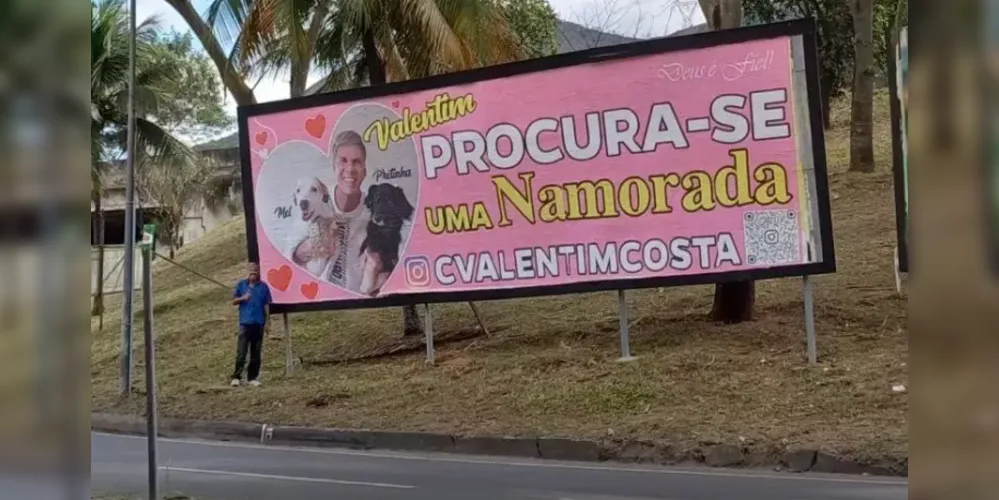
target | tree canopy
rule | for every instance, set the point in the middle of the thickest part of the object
(534, 23)
(195, 108)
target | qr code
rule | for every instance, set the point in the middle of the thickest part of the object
(772, 237)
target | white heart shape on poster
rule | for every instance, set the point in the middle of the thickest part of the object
(274, 194)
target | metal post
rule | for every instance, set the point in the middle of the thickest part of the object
(478, 317)
(898, 274)
(622, 312)
(125, 383)
(810, 321)
(289, 361)
(150, 338)
(429, 332)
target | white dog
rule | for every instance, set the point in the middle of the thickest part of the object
(316, 224)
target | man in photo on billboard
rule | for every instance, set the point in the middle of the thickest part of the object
(350, 158)
(253, 297)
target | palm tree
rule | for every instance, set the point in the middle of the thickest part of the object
(358, 41)
(109, 38)
(398, 40)
(430, 37)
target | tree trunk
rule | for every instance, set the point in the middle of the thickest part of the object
(826, 96)
(97, 309)
(862, 113)
(298, 81)
(411, 325)
(731, 14)
(241, 92)
(712, 13)
(376, 67)
(734, 301)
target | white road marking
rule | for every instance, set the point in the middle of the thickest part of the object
(287, 478)
(538, 463)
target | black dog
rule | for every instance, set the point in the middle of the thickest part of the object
(389, 209)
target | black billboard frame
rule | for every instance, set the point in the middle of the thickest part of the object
(805, 28)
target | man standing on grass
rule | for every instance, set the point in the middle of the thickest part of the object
(253, 298)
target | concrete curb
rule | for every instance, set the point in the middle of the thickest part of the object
(177, 428)
(540, 447)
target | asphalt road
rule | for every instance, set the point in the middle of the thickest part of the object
(230, 471)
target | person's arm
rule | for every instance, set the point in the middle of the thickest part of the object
(237, 297)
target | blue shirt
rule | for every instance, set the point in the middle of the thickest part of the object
(251, 312)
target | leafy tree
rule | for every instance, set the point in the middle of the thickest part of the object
(179, 188)
(835, 38)
(195, 108)
(534, 23)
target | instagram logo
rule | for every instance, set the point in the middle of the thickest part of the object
(417, 271)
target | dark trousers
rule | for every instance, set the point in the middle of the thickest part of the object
(250, 339)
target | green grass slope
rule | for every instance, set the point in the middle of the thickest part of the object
(552, 370)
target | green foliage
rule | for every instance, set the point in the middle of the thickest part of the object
(195, 108)
(355, 41)
(109, 39)
(177, 92)
(535, 24)
(835, 23)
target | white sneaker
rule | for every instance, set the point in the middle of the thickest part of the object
(255, 383)
(235, 382)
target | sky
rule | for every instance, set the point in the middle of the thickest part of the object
(633, 18)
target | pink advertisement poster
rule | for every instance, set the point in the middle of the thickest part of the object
(674, 165)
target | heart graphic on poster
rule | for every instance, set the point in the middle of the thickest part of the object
(261, 138)
(316, 126)
(279, 278)
(296, 186)
(310, 290)
(395, 104)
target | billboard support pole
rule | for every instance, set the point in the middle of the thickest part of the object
(289, 361)
(810, 320)
(429, 332)
(622, 313)
(478, 317)
(898, 274)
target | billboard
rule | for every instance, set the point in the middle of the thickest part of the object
(696, 159)
(899, 87)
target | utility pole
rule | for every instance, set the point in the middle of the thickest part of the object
(128, 290)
